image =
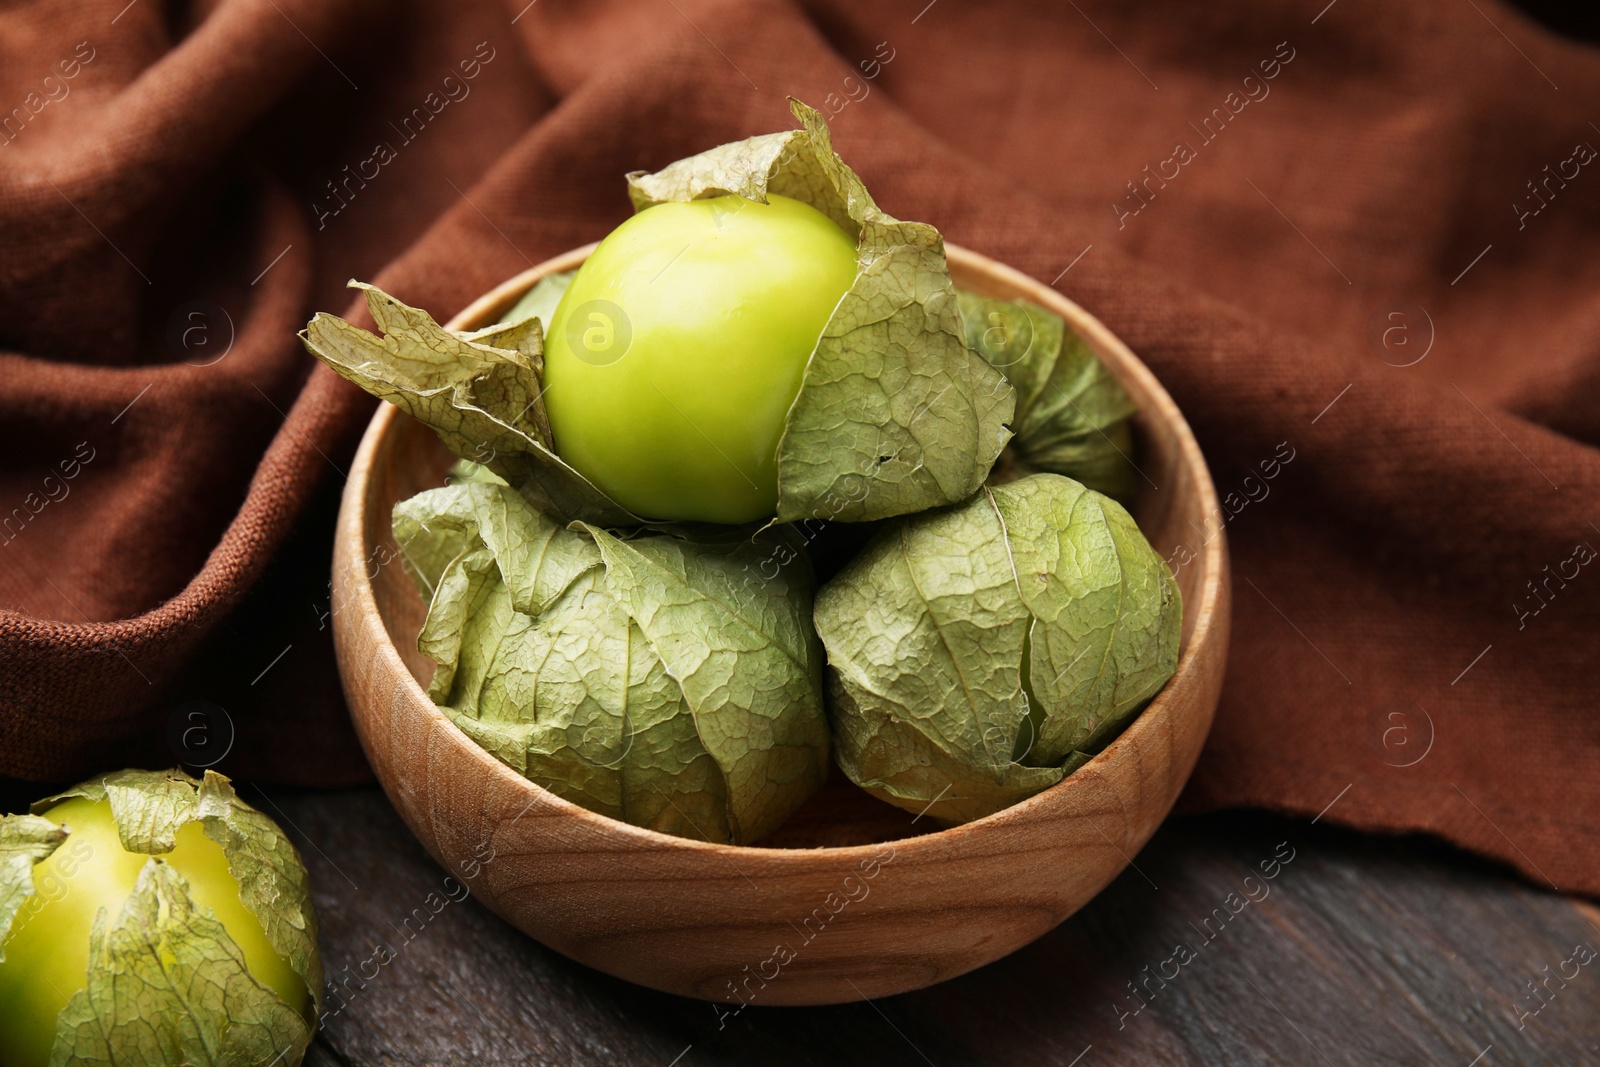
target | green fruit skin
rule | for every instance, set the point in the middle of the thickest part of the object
(726, 299)
(47, 951)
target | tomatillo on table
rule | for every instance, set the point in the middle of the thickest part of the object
(673, 358)
(151, 916)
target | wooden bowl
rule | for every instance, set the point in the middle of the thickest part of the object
(851, 899)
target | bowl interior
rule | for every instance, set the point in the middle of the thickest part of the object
(1171, 508)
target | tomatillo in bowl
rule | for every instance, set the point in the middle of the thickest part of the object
(672, 360)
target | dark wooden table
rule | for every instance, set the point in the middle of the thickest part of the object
(1365, 950)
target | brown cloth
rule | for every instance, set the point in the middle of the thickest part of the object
(1356, 241)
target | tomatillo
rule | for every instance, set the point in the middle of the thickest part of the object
(110, 937)
(671, 363)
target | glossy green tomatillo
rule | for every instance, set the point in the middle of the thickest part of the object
(673, 358)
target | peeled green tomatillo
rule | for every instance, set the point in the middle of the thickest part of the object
(151, 951)
(672, 360)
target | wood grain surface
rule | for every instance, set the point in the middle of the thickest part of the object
(1363, 951)
(846, 903)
